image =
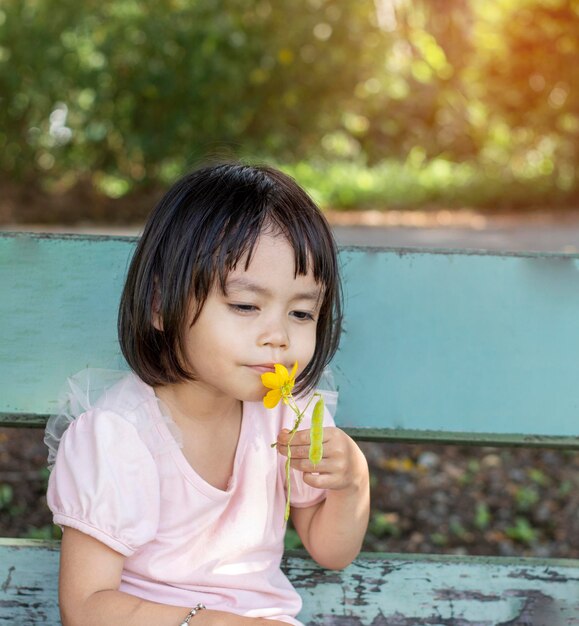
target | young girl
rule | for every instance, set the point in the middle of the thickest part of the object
(169, 492)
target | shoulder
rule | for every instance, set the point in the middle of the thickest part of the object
(129, 397)
(103, 445)
(111, 398)
(105, 481)
(105, 408)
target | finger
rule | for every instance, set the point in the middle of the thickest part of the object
(303, 452)
(320, 480)
(299, 438)
(298, 452)
(283, 436)
(302, 437)
(305, 465)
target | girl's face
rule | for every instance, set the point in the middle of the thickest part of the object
(267, 316)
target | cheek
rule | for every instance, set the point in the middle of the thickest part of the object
(224, 342)
(308, 345)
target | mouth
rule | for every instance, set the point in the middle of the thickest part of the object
(262, 368)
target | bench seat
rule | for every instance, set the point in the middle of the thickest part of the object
(376, 590)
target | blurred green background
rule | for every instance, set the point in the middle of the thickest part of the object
(368, 103)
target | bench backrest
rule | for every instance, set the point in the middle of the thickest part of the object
(443, 346)
(438, 346)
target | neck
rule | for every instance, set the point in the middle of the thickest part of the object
(192, 401)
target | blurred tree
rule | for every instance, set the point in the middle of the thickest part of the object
(131, 90)
(417, 99)
(527, 82)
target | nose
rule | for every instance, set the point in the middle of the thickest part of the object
(274, 333)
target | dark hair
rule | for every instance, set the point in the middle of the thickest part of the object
(199, 231)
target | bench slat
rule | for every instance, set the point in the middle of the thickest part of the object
(38, 420)
(377, 590)
(437, 345)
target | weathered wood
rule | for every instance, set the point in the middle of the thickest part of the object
(446, 342)
(400, 590)
(31, 420)
(376, 590)
(441, 346)
(29, 582)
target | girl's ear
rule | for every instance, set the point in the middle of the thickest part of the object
(156, 313)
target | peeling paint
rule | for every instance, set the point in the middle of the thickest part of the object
(453, 594)
(548, 575)
(442, 591)
(6, 583)
(376, 590)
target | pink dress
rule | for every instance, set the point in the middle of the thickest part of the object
(121, 477)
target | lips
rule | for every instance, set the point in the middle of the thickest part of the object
(262, 368)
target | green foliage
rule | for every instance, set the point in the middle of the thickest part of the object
(482, 516)
(539, 477)
(127, 91)
(439, 539)
(44, 475)
(522, 531)
(395, 104)
(531, 66)
(459, 531)
(6, 496)
(384, 525)
(8, 503)
(292, 540)
(44, 532)
(526, 497)
(407, 184)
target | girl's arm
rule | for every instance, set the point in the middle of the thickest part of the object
(333, 530)
(90, 574)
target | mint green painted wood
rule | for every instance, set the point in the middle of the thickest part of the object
(463, 342)
(447, 342)
(377, 590)
(28, 582)
(58, 299)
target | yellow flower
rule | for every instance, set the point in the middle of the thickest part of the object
(281, 383)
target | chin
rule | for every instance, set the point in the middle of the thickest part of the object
(256, 396)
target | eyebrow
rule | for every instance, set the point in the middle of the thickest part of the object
(244, 284)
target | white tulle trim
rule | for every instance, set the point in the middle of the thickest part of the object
(327, 387)
(93, 388)
(103, 388)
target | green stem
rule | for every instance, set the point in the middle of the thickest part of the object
(299, 416)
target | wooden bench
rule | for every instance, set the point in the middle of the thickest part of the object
(440, 346)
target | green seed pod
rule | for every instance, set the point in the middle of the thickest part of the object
(317, 433)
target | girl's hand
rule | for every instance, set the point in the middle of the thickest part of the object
(332, 531)
(343, 466)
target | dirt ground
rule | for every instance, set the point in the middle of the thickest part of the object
(430, 499)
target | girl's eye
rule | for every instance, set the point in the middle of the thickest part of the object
(303, 315)
(243, 308)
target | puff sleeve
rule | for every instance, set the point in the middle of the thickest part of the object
(303, 495)
(105, 482)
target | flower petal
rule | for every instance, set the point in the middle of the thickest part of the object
(271, 398)
(271, 380)
(282, 372)
(294, 370)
